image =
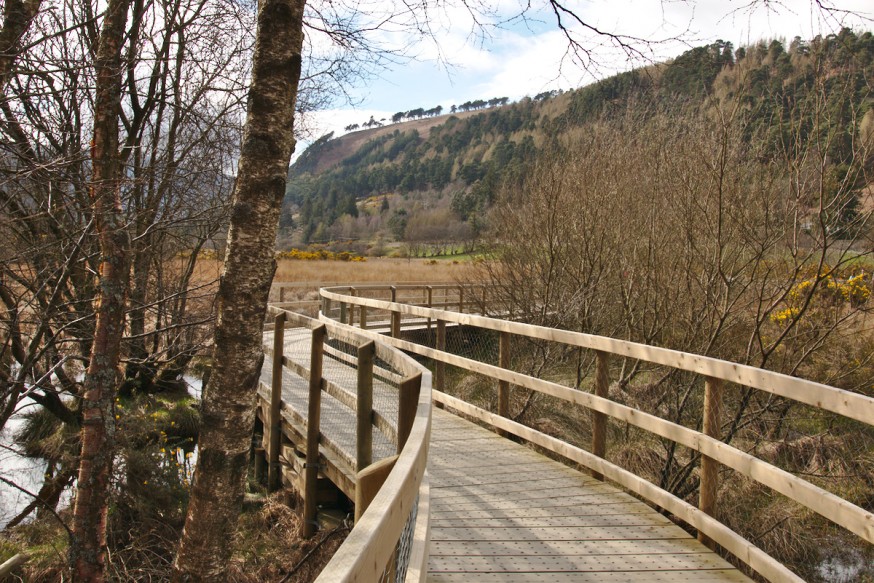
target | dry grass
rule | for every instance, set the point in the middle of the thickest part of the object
(376, 270)
(269, 548)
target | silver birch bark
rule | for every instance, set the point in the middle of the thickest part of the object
(229, 396)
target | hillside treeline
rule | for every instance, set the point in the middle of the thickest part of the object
(455, 171)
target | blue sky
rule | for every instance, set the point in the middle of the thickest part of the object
(527, 58)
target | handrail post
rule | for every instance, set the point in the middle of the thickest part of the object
(368, 481)
(429, 300)
(354, 293)
(408, 400)
(314, 411)
(485, 311)
(342, 312)
(504, 386)
(364, 402)
(460, 299)
(599, 420)
(275, 419)
(395, 324)
(395, 330)
(281, 294)
(363, 311)
(709, 486)
(440, 366)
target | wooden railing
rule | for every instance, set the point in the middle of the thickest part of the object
(390, 534)
(339, 303)
(459, 298)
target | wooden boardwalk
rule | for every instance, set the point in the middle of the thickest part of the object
(502, 512)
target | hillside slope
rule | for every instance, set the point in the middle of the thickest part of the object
(434, 179)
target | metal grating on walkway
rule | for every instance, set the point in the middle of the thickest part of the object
(502, 512)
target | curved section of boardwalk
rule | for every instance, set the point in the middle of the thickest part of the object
(502, 512)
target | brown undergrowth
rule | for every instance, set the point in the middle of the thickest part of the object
(268, 548)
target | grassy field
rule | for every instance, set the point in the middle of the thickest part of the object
(375, 270)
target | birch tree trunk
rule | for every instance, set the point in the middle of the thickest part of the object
(17, 16)
(88, 547)
(228, 408)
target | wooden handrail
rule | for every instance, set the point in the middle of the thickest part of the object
(371, 544)
(852, 405)
(380, 526)
(846, 403)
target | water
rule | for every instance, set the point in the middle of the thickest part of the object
(25, 472)
(844, 569)
(28, 473)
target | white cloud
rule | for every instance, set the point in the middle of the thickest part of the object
(526, 58)
(528, 64)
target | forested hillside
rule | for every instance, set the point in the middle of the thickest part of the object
(425, 185)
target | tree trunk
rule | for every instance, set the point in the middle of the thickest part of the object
(88, 547)
(229, 397)
(17, 16)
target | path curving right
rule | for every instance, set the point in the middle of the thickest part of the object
(502, 512)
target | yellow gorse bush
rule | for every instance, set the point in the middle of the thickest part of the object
(785, 315)
(855, 291)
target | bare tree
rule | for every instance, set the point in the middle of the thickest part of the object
(88, 545)
(229, 397)
(711, 232)
(17, 16)
(178, 88)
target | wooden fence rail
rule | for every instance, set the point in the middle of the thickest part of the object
(389, 491)
(707, 442)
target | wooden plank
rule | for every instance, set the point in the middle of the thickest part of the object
(509, 487)
(558, 499)
(530, 469)
(577, 563)
(603, 509)
(456, 461)
(638, 519)
(701, 576)
(521, 493)
(560, 533)
(484, 479)
(471, 441)
(566, 548)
